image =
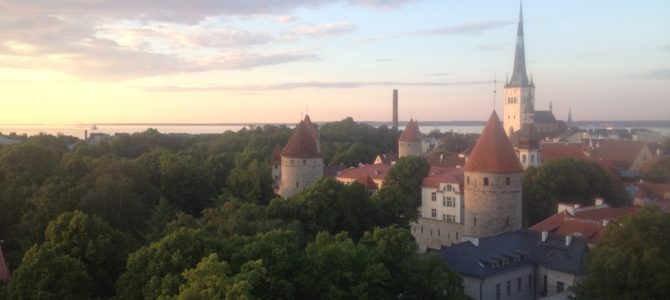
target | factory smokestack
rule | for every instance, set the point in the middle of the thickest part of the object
(395, 110)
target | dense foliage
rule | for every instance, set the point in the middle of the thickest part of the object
(631, 260)
(168, 216)
(567, 181)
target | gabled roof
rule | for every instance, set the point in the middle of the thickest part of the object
(544, 117)
(5, 275)
(301, 144)
(562, 151)
(623, 151)
(493, 152)
(443, 158)
(276, 155)
(376, 172)
(411, 133)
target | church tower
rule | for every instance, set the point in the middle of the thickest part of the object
(519, 93)
(301, 162)
(409, 143)
(492, 184)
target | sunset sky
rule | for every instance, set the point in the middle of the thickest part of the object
(83, 61)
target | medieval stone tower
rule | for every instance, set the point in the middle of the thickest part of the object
(492, 184)
(276, 166)
(519, 94)
(409, 142)
(301, 161)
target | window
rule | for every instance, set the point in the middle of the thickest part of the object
(532, 158)
(451, 218)
(276, 166)
(486, 181)
(433, 213)
(523, 158)
(449, 188)
(304, 161)
(498, 291)
(457, 235)
(444, 201)
(468, 179)
(560, 287)
(508, 181)
(297, 184)
(433, 196)
(450, 202)
(518, 284)
(530, 282)
(444, 217)
(438, 232)
(474, 219)
(509, 288)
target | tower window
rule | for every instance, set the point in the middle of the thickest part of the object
(523, 158)
(508, 181)
(474, 220)
(486, 181)
(304, 161)
(468, 179)
(297, 184)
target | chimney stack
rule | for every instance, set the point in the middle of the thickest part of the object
(395, 110)
(600, 201)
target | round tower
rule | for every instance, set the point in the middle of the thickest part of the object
(409, 142)
(492, 184)
(313, 132)
(301, 162)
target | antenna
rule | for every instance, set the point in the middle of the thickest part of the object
(495, 82)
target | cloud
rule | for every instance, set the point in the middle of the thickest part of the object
(472, 28)
(488, 48)
(286, 19)
(438, 74)
(656, 74)
(303, 85)
(322, 30)
(381, 4)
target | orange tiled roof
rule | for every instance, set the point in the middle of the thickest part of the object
(586, 223)
(493, 152)
(619, 150)
(4, 269)
(301, 144)
(376, 172)
(438, 175)
(411, 133)
(442, 158)
(562, 151)
(312, 129)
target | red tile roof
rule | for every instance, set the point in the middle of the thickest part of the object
(301, 144)
(276, 155)
(438, 175)
(411, 133)
(655, 191)
(312, 129)
(562, 151)
(493, 152)
(376, 172)
(619, 151)
(442, 158)
(586, 222)
(4, 269)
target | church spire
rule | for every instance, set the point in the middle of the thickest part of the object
(519, 75)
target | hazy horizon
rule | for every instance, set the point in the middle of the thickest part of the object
(64, 62)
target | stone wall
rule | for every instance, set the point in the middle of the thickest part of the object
(434, 234)
(492, 208)
(409, 149)
(298, 174)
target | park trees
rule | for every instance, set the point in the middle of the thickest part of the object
(631, 260)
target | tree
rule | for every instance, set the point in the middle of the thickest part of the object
(89, 239)
(184, 183)
(631, 260)
(408, 173)
(251, 182)
(159, 217)
(571, 181)
(236, 217)
(44, 273)
(157, 269)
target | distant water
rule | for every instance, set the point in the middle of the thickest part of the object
(78, 130)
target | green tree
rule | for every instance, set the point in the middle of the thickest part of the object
(251, 182)
(159, 217)
(45, 273)
(185, 183)
(236, 217)
(157, 269)
(571, 181)
(631, 260)
(89, 239)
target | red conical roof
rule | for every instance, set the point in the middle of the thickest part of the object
(4, 270)
(276, 155)
(301, 144)
(493, 152)
(312, 129)
(411, 133)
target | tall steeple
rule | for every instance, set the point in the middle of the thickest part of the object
(519, 75)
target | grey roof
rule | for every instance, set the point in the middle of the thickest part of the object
(544, 117)
(519, 75)
(518, 249)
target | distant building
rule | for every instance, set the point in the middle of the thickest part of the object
(410, 143)
(5, 275)
(653, 194)
(301, 160)
(372, 176)
(587, 222)
(628, 156)
(554, 151)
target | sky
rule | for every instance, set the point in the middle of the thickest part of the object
(207, 61)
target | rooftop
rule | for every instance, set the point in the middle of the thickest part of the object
(411, 133)
(562, 151)
(493, 152)
(301, 144)
(438, 175)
